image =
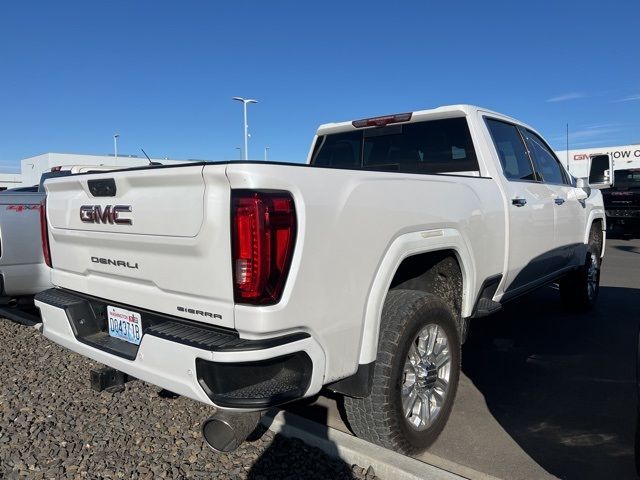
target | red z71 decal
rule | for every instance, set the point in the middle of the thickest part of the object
(22, 208)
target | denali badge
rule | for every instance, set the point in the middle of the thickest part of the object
(200, 312)
(115, 263)
(110, 214)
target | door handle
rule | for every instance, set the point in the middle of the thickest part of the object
(519, 202)
(559, 201)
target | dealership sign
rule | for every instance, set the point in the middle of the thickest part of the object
(616, 155)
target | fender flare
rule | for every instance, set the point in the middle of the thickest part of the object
(404, 246)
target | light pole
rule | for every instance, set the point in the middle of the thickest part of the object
(245, 101)
(265, 153)
(239, 152)
(115, 145)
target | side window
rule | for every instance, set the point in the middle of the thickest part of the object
(546, 162)
(515, 162)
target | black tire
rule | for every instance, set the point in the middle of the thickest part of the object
(576, 289)
(379, 417)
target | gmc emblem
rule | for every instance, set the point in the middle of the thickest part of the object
(109, 214)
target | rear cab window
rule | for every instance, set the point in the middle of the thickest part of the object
(426, 147)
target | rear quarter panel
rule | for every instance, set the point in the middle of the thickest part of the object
(347, 223)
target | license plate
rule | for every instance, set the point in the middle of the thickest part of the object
(125, 324)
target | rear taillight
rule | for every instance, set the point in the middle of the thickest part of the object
(44, 233)
(263, 233)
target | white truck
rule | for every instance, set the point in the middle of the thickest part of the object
(23, 271)
(245, 285)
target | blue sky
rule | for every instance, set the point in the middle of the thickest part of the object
(162, 74)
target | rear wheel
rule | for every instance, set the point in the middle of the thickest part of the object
(415, 376)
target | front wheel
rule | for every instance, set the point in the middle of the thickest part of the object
(415, 376)
(579, 290)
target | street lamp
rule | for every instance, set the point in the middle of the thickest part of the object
(245, 101)
(239, 152)
(115, 145)
(265, 153)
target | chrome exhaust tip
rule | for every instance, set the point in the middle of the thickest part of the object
(226, 431)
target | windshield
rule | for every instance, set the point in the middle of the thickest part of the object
(627, 178)
(436, 146)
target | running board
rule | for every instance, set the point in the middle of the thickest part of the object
(487, 307)
(19, 316)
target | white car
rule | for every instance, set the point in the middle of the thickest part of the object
(245, 285)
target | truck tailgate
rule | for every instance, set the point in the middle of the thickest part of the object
(157, 199)
(158, 253)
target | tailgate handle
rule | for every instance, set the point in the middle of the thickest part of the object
(103, 187)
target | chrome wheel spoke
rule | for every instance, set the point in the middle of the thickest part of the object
(425, 409)
(435, 409)
(414, 355)
(433, 336)
(409, 377)
(441, 384)
(422, 344)
(442, 359)
(409, 402)
(438, 397)
(425, 384)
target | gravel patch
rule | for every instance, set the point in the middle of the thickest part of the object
(52, 425)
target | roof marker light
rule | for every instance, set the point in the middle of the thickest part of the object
(382, 121)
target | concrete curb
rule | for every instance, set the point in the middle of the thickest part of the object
(387, 464)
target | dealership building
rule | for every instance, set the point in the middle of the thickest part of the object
(32, 168)
(576, 161)
(10, 180)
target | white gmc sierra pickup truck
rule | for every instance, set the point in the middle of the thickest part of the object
(245, 285)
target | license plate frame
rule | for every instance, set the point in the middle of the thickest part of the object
(125, 325)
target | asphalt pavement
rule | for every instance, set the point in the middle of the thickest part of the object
(544, 393)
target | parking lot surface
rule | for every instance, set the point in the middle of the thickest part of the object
(544, 393)
(52, 425)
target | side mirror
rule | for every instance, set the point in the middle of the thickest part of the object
(600, 171)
